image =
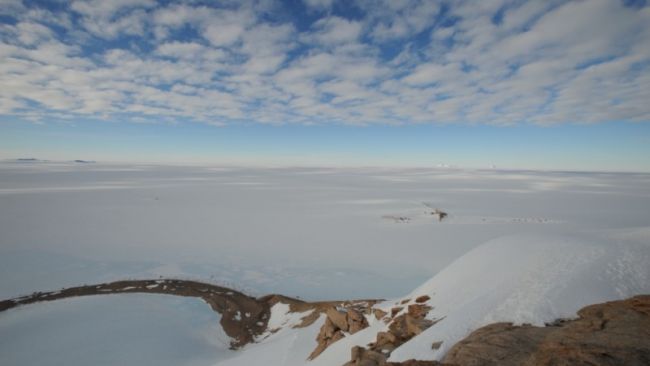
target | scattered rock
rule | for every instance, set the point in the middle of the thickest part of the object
(439, 214)
(397, 219)
(423, 298)
(379, 313)
(401, 329)
(394, 311)
(337, 322)
(365, 357)
(418, 310)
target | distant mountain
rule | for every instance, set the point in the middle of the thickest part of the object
(28, 160)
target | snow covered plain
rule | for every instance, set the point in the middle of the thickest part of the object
(517, 245)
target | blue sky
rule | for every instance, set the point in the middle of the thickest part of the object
(520, 84)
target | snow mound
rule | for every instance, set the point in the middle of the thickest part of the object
(525, 279)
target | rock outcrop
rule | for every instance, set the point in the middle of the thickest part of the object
(608, 334)
(402, 328)
(365, 357)
(242, 317)
(337, 324)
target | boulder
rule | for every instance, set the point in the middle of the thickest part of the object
(356, 321)
(339, 319)
(364, 357)
(423, 298)
(394, 311)
(418, 310)
(379, 314)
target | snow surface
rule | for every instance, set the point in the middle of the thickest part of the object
(526, 279)
(520, 246)
(118, 329)
(317, 233)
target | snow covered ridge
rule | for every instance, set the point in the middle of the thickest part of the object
(521, 279)
(524, 279)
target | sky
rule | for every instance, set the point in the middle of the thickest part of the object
(516, 84)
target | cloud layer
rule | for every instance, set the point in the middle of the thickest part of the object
(323, 61)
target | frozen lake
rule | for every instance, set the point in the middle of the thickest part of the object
(133, 329)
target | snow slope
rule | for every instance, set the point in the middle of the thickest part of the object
(526, 279)
(520, 278)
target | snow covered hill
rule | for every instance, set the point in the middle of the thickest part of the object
(520, 279)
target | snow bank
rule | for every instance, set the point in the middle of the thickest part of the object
(526, 279)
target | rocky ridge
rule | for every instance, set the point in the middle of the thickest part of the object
(607, 334)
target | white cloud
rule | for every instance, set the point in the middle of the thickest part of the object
(109, 19)
(430, 73)
(335, 30)
(540, 62)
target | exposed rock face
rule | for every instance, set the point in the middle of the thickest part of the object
(365, 357)
(379, 313)
(337, 322)
(402, 328)
(339, 319)
(608, 334)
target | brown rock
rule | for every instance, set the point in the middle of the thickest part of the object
(339, 319)
(415, 363)
(421, 299)
(415, 326)
(608, 334)
(364, 357)
(395, 310)
(318, 350)
(328, 328)
(379, 313)
(356, 321)
(335, 337)
(386, 342)
(355, 315)
(418, 310)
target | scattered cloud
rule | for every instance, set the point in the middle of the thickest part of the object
(361, 62)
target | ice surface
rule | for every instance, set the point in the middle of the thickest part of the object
(314, 233)
(125, 329)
